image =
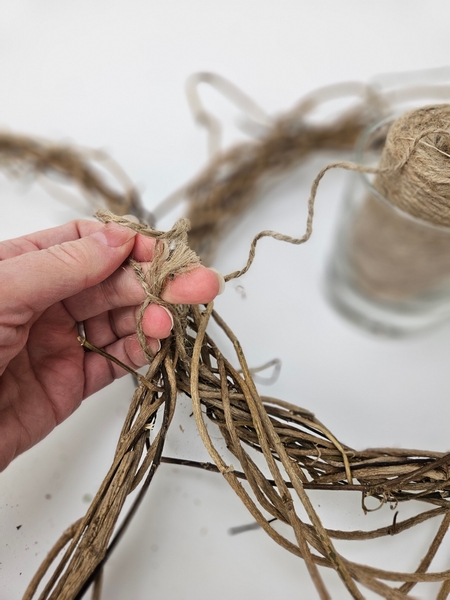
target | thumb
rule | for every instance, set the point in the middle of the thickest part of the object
(36, 280)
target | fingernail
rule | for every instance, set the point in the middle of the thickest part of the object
(170, 315)
(154, 346)
(113, 235)
(220, 279)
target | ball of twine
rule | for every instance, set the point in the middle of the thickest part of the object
(415, 164)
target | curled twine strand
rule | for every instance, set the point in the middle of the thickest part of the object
(311, 457)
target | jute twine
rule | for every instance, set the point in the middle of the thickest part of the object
(395, 257)
(299, 452)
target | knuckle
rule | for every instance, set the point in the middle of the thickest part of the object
(71, 256)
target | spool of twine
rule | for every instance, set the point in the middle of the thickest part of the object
(395, 257)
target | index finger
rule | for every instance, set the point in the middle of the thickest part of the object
(200, 285)
(74, 230)
(46, 238)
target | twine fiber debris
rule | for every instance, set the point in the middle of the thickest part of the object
(299, 452)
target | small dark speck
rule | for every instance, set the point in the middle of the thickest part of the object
(181, 429)
(48, 496)
(18, 526)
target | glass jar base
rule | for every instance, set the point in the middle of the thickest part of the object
(382, 318)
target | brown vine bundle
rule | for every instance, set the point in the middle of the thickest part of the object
(232, 179)
(299, 451)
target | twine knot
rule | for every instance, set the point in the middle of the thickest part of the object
(172, 256)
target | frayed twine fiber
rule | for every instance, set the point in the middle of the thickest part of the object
(299, 452)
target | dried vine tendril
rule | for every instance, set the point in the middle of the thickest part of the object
(299, 452)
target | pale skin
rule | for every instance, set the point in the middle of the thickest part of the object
(49, 282)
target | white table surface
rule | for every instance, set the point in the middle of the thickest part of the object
(110, 75)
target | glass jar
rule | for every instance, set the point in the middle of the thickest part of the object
(389, 272)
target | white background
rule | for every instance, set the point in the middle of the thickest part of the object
(110, 74)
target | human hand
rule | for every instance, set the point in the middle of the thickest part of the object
(54, 279)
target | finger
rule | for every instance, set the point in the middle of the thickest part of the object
(121, 289)
(201, 285)
(40, 240)
(144, 249)
(34, 281)
(99, 371)
(107, 328)
(69, 232)
(198, 286)
(177, 291)
(157, 322)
